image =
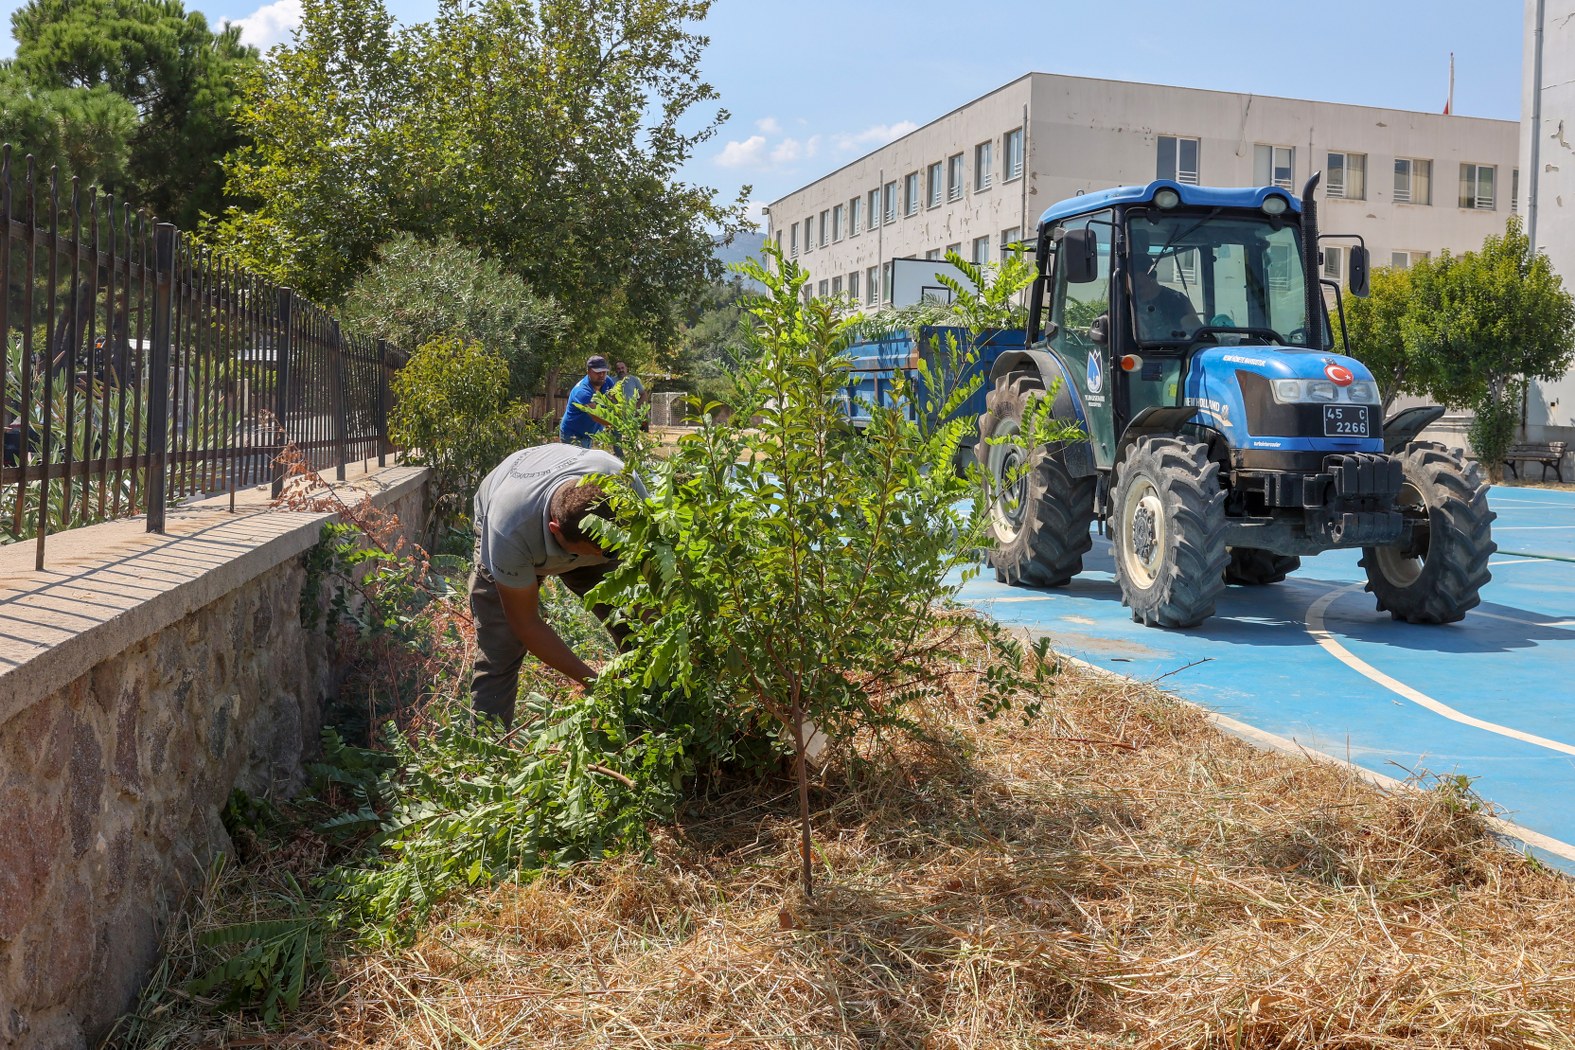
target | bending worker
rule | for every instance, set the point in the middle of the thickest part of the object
(530, 515)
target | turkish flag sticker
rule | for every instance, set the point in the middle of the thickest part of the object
(1339, 374)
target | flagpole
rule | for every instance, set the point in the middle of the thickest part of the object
(1449, 107)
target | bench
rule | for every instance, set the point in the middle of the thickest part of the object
(1548, 453)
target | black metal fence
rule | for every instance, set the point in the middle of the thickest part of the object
(142, 369)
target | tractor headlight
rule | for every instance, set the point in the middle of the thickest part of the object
(1362, 392)
(1305, 391)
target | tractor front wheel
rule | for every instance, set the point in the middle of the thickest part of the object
(1039, 513)
(1169, 532)
(1437, 574)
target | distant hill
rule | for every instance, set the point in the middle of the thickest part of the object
(743, 247)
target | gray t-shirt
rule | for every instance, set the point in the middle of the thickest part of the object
(513, 506)
(631, 387)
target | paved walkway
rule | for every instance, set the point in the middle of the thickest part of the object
(1492, 697)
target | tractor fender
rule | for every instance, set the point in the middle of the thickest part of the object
(1068, 404)
(1402, 428)
(1167, 422)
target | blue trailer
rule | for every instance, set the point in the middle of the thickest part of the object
(877, 362)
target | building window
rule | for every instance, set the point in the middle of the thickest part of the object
(1405, 260)
(981, 250)
(1476, 186)
(1009, 238)
(890, 201)
(825, 225)
(808, 293)
(1178, 160)
(871, 286)
(885, 281)
(1274, 166)
(873, 211)
(836, 285)
(953, 249)
(1347, 176)
(854, 207)
(983, 167)
(824, 288)
(932, 253)
(853, 286)
(910, 193)
(933, 187)
(1012, 146)
(809, 232)
(793, 241)
(954, 177)
(838, 221)
(1334, 263)
(1413, 181)
(1514, 191)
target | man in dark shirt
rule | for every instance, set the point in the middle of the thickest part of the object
(1161, 313)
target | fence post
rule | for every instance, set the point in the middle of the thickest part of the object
(382, 402)
(337, 392)
(281, 377)
(165, 240)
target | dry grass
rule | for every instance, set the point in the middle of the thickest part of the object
(1117, 874)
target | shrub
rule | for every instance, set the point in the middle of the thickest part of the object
(449, 415)
(783, 575)
(420, 290)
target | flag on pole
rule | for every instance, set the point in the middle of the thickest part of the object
(1449, 102)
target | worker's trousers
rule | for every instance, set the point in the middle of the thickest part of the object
(499, 652)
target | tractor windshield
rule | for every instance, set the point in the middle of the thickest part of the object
(1228, 277)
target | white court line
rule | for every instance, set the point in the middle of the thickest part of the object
(1326, 641)
(1525, 623)
(1528, 528)
(1273, 742)
(1529, 502)
(1515, 561)
(1008, 601)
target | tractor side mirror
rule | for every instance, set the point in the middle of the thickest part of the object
(1099, 330)
(1359, 283)
(1080, 256)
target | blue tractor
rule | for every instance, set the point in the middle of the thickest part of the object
(1185, 329)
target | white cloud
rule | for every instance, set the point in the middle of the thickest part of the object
(769, 125)
(787, 151)
(747, 154)
(756, 210)
(270, 24)
(877, 135)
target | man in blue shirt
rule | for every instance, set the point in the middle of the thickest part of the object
(579, 423)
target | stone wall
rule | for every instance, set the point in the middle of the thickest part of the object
(142, 680)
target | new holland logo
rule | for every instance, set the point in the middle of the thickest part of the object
(1096, 377)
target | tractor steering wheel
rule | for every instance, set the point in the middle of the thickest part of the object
(1214, 331)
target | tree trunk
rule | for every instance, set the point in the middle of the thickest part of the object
(801, 774)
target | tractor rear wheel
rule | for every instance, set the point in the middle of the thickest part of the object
(1039, 516)
(1438, 573)
(1252, 567)
(1169, 532)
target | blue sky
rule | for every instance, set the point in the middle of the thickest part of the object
(813, 84)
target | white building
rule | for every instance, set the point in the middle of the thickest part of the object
(979, 177)
(1547, 155)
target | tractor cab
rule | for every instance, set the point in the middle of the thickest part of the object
(1135, 281)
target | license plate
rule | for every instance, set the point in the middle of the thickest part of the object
(1350, 421)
